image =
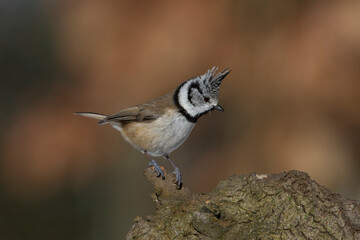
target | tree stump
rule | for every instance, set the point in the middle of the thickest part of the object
(288, 205)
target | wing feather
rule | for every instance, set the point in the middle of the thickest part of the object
(145, 112)
(133, 114)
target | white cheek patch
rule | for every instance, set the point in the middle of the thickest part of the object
(184, 100)
(187, 105)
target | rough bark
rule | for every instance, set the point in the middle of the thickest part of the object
(289, 205)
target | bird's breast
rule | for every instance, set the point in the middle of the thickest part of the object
(161, 136)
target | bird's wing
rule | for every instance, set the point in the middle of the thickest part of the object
(131, 114)
(145, 112)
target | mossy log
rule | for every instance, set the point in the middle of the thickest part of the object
(288, 205)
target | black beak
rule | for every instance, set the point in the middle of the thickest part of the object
(218, 107)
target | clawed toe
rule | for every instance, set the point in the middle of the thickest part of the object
(178, 178)
(159, 171)
(157, 168)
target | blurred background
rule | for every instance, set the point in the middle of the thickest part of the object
(291, 102)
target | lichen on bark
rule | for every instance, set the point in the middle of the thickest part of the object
(289, 205)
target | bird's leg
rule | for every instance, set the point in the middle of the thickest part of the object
(157, 168)
(176, 172)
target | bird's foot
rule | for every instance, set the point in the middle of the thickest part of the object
(178, 178)
(158, 170)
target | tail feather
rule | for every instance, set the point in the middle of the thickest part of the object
(92, 115)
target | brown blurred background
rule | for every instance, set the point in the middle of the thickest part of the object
(291, 101)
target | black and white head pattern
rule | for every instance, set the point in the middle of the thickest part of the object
(199, 95)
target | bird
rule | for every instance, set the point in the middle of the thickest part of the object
(158, 127)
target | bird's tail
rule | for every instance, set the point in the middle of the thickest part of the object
(92, 115)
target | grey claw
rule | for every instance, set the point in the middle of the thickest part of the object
(158, 170)
(178, 178)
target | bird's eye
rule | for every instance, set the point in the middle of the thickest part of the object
(206, 99)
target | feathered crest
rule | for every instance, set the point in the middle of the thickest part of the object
(213, 80)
